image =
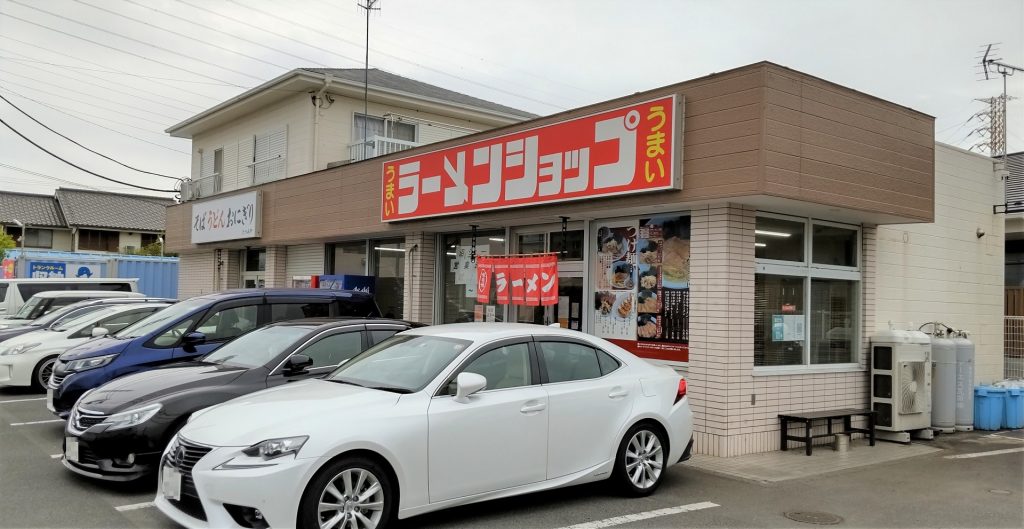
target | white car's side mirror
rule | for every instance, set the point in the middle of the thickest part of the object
(467, 384)
(99, 331)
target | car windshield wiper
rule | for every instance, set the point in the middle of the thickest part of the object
(340, 381)
(392, 389)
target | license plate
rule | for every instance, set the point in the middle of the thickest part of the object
(49, 401)
(171, 483)
(71, 449)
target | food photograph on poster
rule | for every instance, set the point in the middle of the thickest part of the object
(650, 260)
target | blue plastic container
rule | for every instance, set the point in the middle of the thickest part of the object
(988, 407)
(1013, 416)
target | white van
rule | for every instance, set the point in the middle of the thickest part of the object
(15, 292)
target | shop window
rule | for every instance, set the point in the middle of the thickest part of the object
(834, 245)
(98, 240)
(255, 260)
(573, 245)
(458, 292)
(389, 269)
(806, 313)
(779, 320)
(348, 258)
(779, 239)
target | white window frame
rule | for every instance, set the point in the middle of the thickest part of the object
(809, 271)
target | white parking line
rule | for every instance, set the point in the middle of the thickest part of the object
(35, 422)
(134, 506)
(630, 518)
(21, 400)
(1006, 437)
(983, 454)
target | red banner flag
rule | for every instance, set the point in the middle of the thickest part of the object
(548, 283)
(502, 281)
(483, 279)
(518, 280)
(532, 281)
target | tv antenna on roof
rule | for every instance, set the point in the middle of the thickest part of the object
(370, 5)
(991, 64)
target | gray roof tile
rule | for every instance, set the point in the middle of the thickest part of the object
(95, 209)
(391, 81)
(31, 209)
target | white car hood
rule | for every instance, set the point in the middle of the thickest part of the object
(285, 411)
(41, 336)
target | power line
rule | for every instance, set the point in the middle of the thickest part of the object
(87, 61)
(139, 41)
(24, 58)
(218, 46)
(221, 31)
(80, 168)
(71, 113)
(392, 56)
(62, 96)
(54, 178)
(122, 164)
(143, 57)
(77, 77)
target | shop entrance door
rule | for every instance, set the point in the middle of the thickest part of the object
(540, 239)
(254, 265)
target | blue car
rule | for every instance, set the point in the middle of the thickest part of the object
(190, 329)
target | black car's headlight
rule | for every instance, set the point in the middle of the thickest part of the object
(127, 419)
(85, 364)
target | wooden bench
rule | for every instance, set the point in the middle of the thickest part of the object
(808, 418)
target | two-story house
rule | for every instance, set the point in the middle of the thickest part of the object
(307, 120)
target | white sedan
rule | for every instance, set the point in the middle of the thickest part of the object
(431, 418)
(28, 360)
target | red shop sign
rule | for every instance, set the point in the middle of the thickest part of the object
(627, 150)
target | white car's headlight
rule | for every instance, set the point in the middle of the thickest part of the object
(18, 349)
(89, 363)
(134, 417)
(263, 453)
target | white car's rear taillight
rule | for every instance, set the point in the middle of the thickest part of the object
(681, 392)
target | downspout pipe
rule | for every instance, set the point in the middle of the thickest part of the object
(316, 120)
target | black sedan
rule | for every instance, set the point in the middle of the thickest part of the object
(118, 430)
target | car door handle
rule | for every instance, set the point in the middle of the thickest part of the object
(533, 408)
(618, 392)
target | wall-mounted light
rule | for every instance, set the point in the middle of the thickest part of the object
(772, 233)
(980, 233)
(759, 245)
(389, 249)
(496, 239)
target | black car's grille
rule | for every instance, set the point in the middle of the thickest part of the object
(82, 420)
(86, 456)
(183, 456)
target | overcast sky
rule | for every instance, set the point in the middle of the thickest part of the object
(113, 74)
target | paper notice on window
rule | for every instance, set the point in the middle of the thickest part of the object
(563, 307)
(787, 327)
(489, 313)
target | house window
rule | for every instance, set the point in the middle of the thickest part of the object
(34, 238)
(384, 128)
(149, 238)
(806, 292)
(268, 156)
(98, 240)
(211, 175)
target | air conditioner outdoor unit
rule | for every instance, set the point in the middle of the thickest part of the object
(901, 380)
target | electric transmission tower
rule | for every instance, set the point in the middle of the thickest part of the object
(993, 130)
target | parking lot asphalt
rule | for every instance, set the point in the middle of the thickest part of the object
(977, 480)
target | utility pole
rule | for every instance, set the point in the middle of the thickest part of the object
(370, 5)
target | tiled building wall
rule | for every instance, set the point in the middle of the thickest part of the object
(277, 267)
(420, 266)
(735, 411)
(195, 274)
(229, 273)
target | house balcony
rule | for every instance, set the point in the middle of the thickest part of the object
(378, 146)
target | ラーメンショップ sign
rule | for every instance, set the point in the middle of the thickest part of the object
(228, 218)
(632, 149)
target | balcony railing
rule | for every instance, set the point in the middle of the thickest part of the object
(377, 146)
(201, 187)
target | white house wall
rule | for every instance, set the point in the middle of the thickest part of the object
(943, 271)
(236, 139)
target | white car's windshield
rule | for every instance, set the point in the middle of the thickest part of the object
(159, 320)
(33, 305)
(257, 347)
(403, 363)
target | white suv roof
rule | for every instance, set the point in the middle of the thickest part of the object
(89, 294)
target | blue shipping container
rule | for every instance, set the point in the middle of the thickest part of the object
(158, 277)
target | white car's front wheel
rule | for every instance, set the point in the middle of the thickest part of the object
(351, 493)
(640, 461)
(41, 374)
